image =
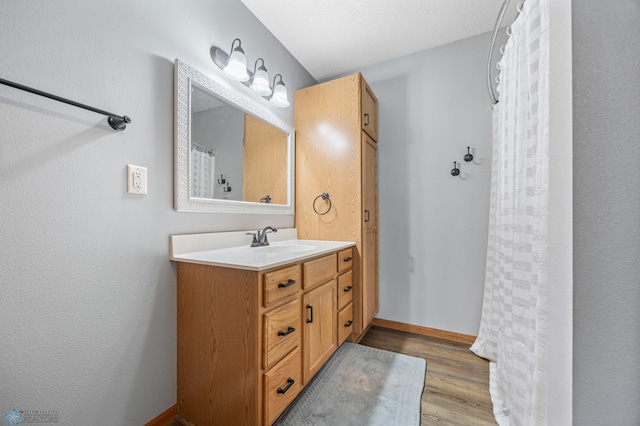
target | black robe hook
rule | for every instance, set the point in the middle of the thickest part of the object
(455, 171)
(468, 157)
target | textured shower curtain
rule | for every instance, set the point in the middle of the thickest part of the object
(514, 325)
(202, 174)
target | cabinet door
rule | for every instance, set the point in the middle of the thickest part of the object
(369, 277)
(369, 111)
(320, 329)
(369, 184)
(370, 233)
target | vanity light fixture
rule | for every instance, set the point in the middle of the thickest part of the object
(260, 82)
(234, 66)
(279, 97)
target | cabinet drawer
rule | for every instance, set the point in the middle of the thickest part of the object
(281, 385)
(345, 289)
(282, 331)
(345, 323)
(319, 270)
(281, 284)
(345, 260)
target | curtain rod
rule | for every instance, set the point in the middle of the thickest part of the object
(116, 122)
(496, 27)
(204, 149)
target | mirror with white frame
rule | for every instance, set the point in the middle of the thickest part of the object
(230, 155)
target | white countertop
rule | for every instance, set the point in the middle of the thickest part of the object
(194, 249)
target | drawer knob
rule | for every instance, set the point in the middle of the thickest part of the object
(286, 333)
(290, 383)
(347, 289)
(287, 284)
(347, 259)
(348, 323)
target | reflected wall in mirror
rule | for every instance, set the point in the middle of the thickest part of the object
(231, 155)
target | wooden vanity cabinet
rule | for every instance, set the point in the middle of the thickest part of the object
(249, 341)
(336, 152)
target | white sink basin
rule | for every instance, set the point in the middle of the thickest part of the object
(285, 248)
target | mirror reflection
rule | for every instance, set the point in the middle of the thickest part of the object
(234, 155)
(231, 154)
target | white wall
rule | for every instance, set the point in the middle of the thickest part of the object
(88, 306)
(432, 226)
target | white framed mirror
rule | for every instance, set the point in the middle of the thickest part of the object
(230, 154)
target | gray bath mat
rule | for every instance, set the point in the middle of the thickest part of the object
(361, 386)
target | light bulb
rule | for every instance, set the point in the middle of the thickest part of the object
(260, 83)
(237, 66)
(279, 97)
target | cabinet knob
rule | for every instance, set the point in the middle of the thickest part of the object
(348, 323)
(366, 119)
(347, 259)
(347, 289)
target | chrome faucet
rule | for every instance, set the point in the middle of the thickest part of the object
(260, 237)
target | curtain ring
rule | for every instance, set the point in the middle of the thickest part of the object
(324, 196)
(520, 6)
(502, 49)
(509, 30)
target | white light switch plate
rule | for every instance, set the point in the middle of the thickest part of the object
(136, 179)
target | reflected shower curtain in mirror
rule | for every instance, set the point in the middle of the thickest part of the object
(514, 325)
(202, 174)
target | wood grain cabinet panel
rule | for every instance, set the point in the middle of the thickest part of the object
(281, 385)
(280, 284)
(336, 126)
(319, 270)
(369, 118)
(345, 289)
(282, 331)
(345, 260)
(345, 323)
(320, 339)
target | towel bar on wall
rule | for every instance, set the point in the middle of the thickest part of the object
(116, 122)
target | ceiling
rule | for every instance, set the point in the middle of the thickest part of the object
(332, 37)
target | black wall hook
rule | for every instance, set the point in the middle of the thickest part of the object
(468, 157)
(222, 180)
(455, 171)
(226, 188)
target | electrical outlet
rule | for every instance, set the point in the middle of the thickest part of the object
(136, 179)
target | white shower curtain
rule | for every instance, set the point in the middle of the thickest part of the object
(514, 324)
(202, 174)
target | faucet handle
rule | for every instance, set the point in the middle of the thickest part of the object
(255, 237)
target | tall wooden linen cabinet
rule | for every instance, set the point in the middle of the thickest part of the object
(336, 150)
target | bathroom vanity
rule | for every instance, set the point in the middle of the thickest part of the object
(255, 324)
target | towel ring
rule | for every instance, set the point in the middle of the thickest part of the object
(324, 196)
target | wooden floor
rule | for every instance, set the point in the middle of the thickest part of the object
(456, 388)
